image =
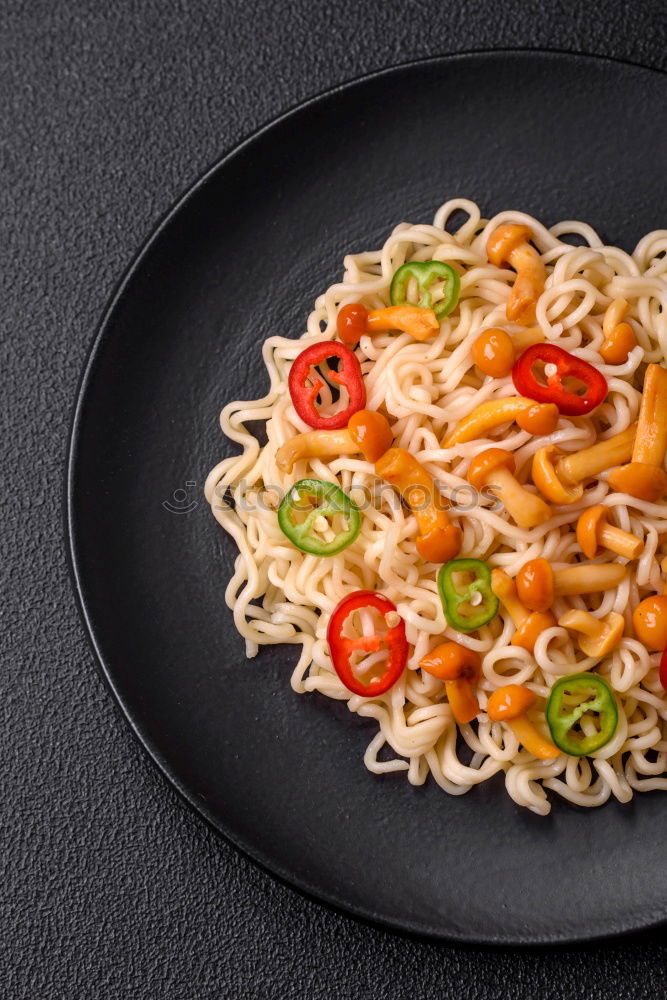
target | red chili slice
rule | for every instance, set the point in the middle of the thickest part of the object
(342, 647)
(304, 394)
(568, 366)
(663, 669)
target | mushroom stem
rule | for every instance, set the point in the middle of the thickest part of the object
(651, 440)
(581, 621)
(527, 509)
(621, 542)
(614, 313)
(548, 481)
(420, 323)
(587, 578)
(523, 339)
(590, 462)
(315, 444)
(531, 275)
(597, 636)
(531, 739)
(462, 700)
(619, 337)
(505, 590)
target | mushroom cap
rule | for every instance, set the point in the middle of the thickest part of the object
(547, 479)
(618, 343)
(535, 585)
(588, 526)
(509, 702)
(484, 464)
(493, 352)
(539, 419)
(650, 621)
(440, 544)
(531, 628)
(371, 432)
(646, 482)
(503, 240)
(450, 661)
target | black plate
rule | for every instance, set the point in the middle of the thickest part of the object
(242, 256)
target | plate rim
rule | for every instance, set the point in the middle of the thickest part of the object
(365, 915)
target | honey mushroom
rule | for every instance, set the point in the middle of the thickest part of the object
(460, 669)
(438, 539)
(495, 351)
(494, 468)
(529, 624)
(509, 246)
(619, 337)
(367, 432)
(593, 530)
(598, 636)
(537, 584)
(649, 618)
(560, 477)
(510, 704)
(645, 477)
(536, 418)
(355, 320)
(420, 323)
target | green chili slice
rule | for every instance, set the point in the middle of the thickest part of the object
(576, 698)
(466, 595)
(427, 273)
(310, 499)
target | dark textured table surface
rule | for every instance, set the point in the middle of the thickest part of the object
(110, 887)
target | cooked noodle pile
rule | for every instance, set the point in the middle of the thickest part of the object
(279, 594)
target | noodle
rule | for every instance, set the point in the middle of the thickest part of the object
(279, 594)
